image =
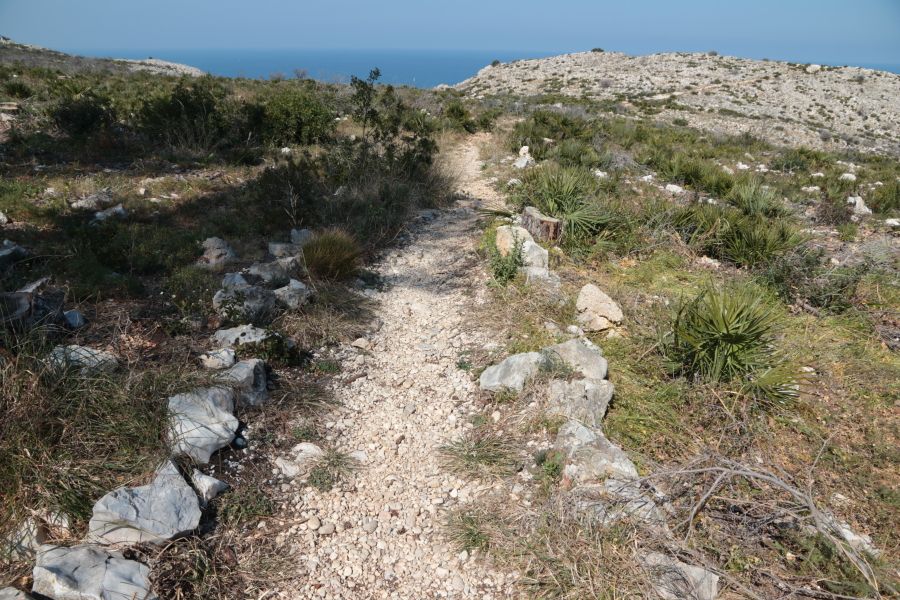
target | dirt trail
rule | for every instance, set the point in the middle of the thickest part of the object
(380, 534)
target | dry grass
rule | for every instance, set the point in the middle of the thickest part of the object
(337, 314)
(332, 255)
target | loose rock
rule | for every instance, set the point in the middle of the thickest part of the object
(89, 573)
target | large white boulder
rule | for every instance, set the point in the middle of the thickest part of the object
(581, 355)
(88, 572)
(590, 456)
(201, 422)
(164, 509)
(87, 361)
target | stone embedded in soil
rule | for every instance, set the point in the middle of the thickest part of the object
(201, 422)
(248, 379)
(87, 361)
(9, 593)
(507, 236)
(581, 355)
(218, 359)
(216, 254)
(583, 400)
(245, 303)
(243, 334)
(512, 373)
(590, 456)
(293, 295)
(162, 510)
(89, 572)
(596, 310)
(301, 460)
(207, 487)
(676, 580)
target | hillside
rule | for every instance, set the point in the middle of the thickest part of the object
(788, 104)
(35, 56)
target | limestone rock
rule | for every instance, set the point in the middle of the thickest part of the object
(74, 319)
(248, 379)
(118, 211)
(294, 295)
(303, 458)
(512, 373)
(510, 235)
(590, 455)
(207, 487)
(541, 277)
(160, 511)
(583, 400)
(615, 500)
(523, 162)
(245, 303)
(234, 280)
(9, 593)
(216, 254)
(596, 310)
(88, 572)
(675, 580)
(86, 360)
(857, 205)
(675, 190)
(847, 177)
(581, 355)
(244, 334)
(201, 422)
(535, 256)
(813, 69)
(274, 272)
(95, 201)
(218, 359)
(282, 250)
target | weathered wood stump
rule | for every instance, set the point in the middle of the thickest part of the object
(540, 226)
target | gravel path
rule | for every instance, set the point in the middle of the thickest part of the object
(380, 534)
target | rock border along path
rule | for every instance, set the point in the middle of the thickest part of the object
(380, 534)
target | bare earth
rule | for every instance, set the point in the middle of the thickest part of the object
(784, 103)
(407, 399)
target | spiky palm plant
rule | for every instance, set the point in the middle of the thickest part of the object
(726, 334)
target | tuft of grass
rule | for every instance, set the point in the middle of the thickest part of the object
(727, 334)
(332, 255)
(332, 468)
(243, 505)
(483, 453)
(469, 530)
(753, 198)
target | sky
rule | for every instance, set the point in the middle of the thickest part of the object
(826, 31)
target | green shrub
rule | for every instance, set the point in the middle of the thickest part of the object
(293, 116)
(17, 89)
(83, 114)
(332, 254)
(727, 334)
(191, 289)
(543, 125)
(458, 118)
(753, 198)
(799, 159)
(505, 268)
(804, 275)
(190, 116)
(885, 199)
(568, 194)
(726, 233)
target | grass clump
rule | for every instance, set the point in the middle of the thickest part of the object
(331, 469)
(805, 276)
(483, 453)
(468, 530)
(727, 334)
(332, 255)
(753, 198)
(885, 199)
(546, 125)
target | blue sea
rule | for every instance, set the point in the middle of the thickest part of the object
(419, 68)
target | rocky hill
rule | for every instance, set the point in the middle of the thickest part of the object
(832, 108)
(36, 56)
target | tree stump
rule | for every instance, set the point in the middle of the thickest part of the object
(540, 226)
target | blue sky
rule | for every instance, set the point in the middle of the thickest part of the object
(830, 31)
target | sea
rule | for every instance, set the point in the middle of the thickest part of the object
(417, 68)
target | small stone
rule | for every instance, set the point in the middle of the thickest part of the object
(326, 529)
(673, 189)
(361, 343)
(207, 487)
(218, 359)
(596, 310)
(301, 236)
(216, 253)
(370, 525)
(74, 319)
(118, 211)
(313, 523)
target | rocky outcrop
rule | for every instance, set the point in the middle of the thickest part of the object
(216, 254)
(87, 361)
(582, 400)
(675, 580)
(581, 355)
(512, 373)
(248, 380)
